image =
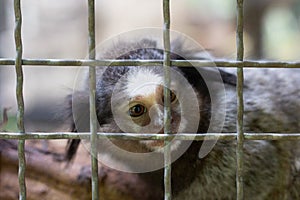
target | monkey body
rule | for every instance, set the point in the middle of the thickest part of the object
(271, 168)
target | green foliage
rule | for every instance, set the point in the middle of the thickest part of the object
(10, 126)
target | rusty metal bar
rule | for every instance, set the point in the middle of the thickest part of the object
(240, 104)
(92, 99)
(149, 136)
(167, 103)
(20, 100)
(178, 63)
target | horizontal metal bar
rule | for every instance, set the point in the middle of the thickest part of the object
(179, 63)
(80, 62)
(151, 136)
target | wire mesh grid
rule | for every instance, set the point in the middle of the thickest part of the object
(240, 136)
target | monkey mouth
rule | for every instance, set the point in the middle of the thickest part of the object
(158, 145)
(155, 143)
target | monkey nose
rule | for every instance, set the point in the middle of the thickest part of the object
(162, 131)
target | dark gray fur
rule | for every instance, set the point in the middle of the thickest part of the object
(272, 168)
(272, 104)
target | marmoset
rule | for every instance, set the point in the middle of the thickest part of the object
(131, 99)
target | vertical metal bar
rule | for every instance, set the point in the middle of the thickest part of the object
(240, 102)
(167, 108)
(20, 100)
(93, 117)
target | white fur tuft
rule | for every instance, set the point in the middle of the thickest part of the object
(143, 83)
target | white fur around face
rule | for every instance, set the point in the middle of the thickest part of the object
(143, 83)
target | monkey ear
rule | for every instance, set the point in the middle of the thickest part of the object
(184, 50)
(228, 78)
(213, 74)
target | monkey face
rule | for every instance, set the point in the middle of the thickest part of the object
(147, 112)
(147, 109)
(129, 99)
(138, 105)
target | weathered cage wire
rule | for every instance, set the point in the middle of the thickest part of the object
(20, 100)
(240, 103)
(167, 103)
(178, 63)
(240, 136)
(149, 136)
(92, 99)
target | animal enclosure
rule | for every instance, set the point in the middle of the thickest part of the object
(239, 64)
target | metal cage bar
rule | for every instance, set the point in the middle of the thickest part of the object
(167, 104)
(240, 63)
(240, 104)
(20, 100)
(92, 99)
(177, 63)
(149, 136)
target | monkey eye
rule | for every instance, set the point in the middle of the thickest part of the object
(172, 97)
(137, 110)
